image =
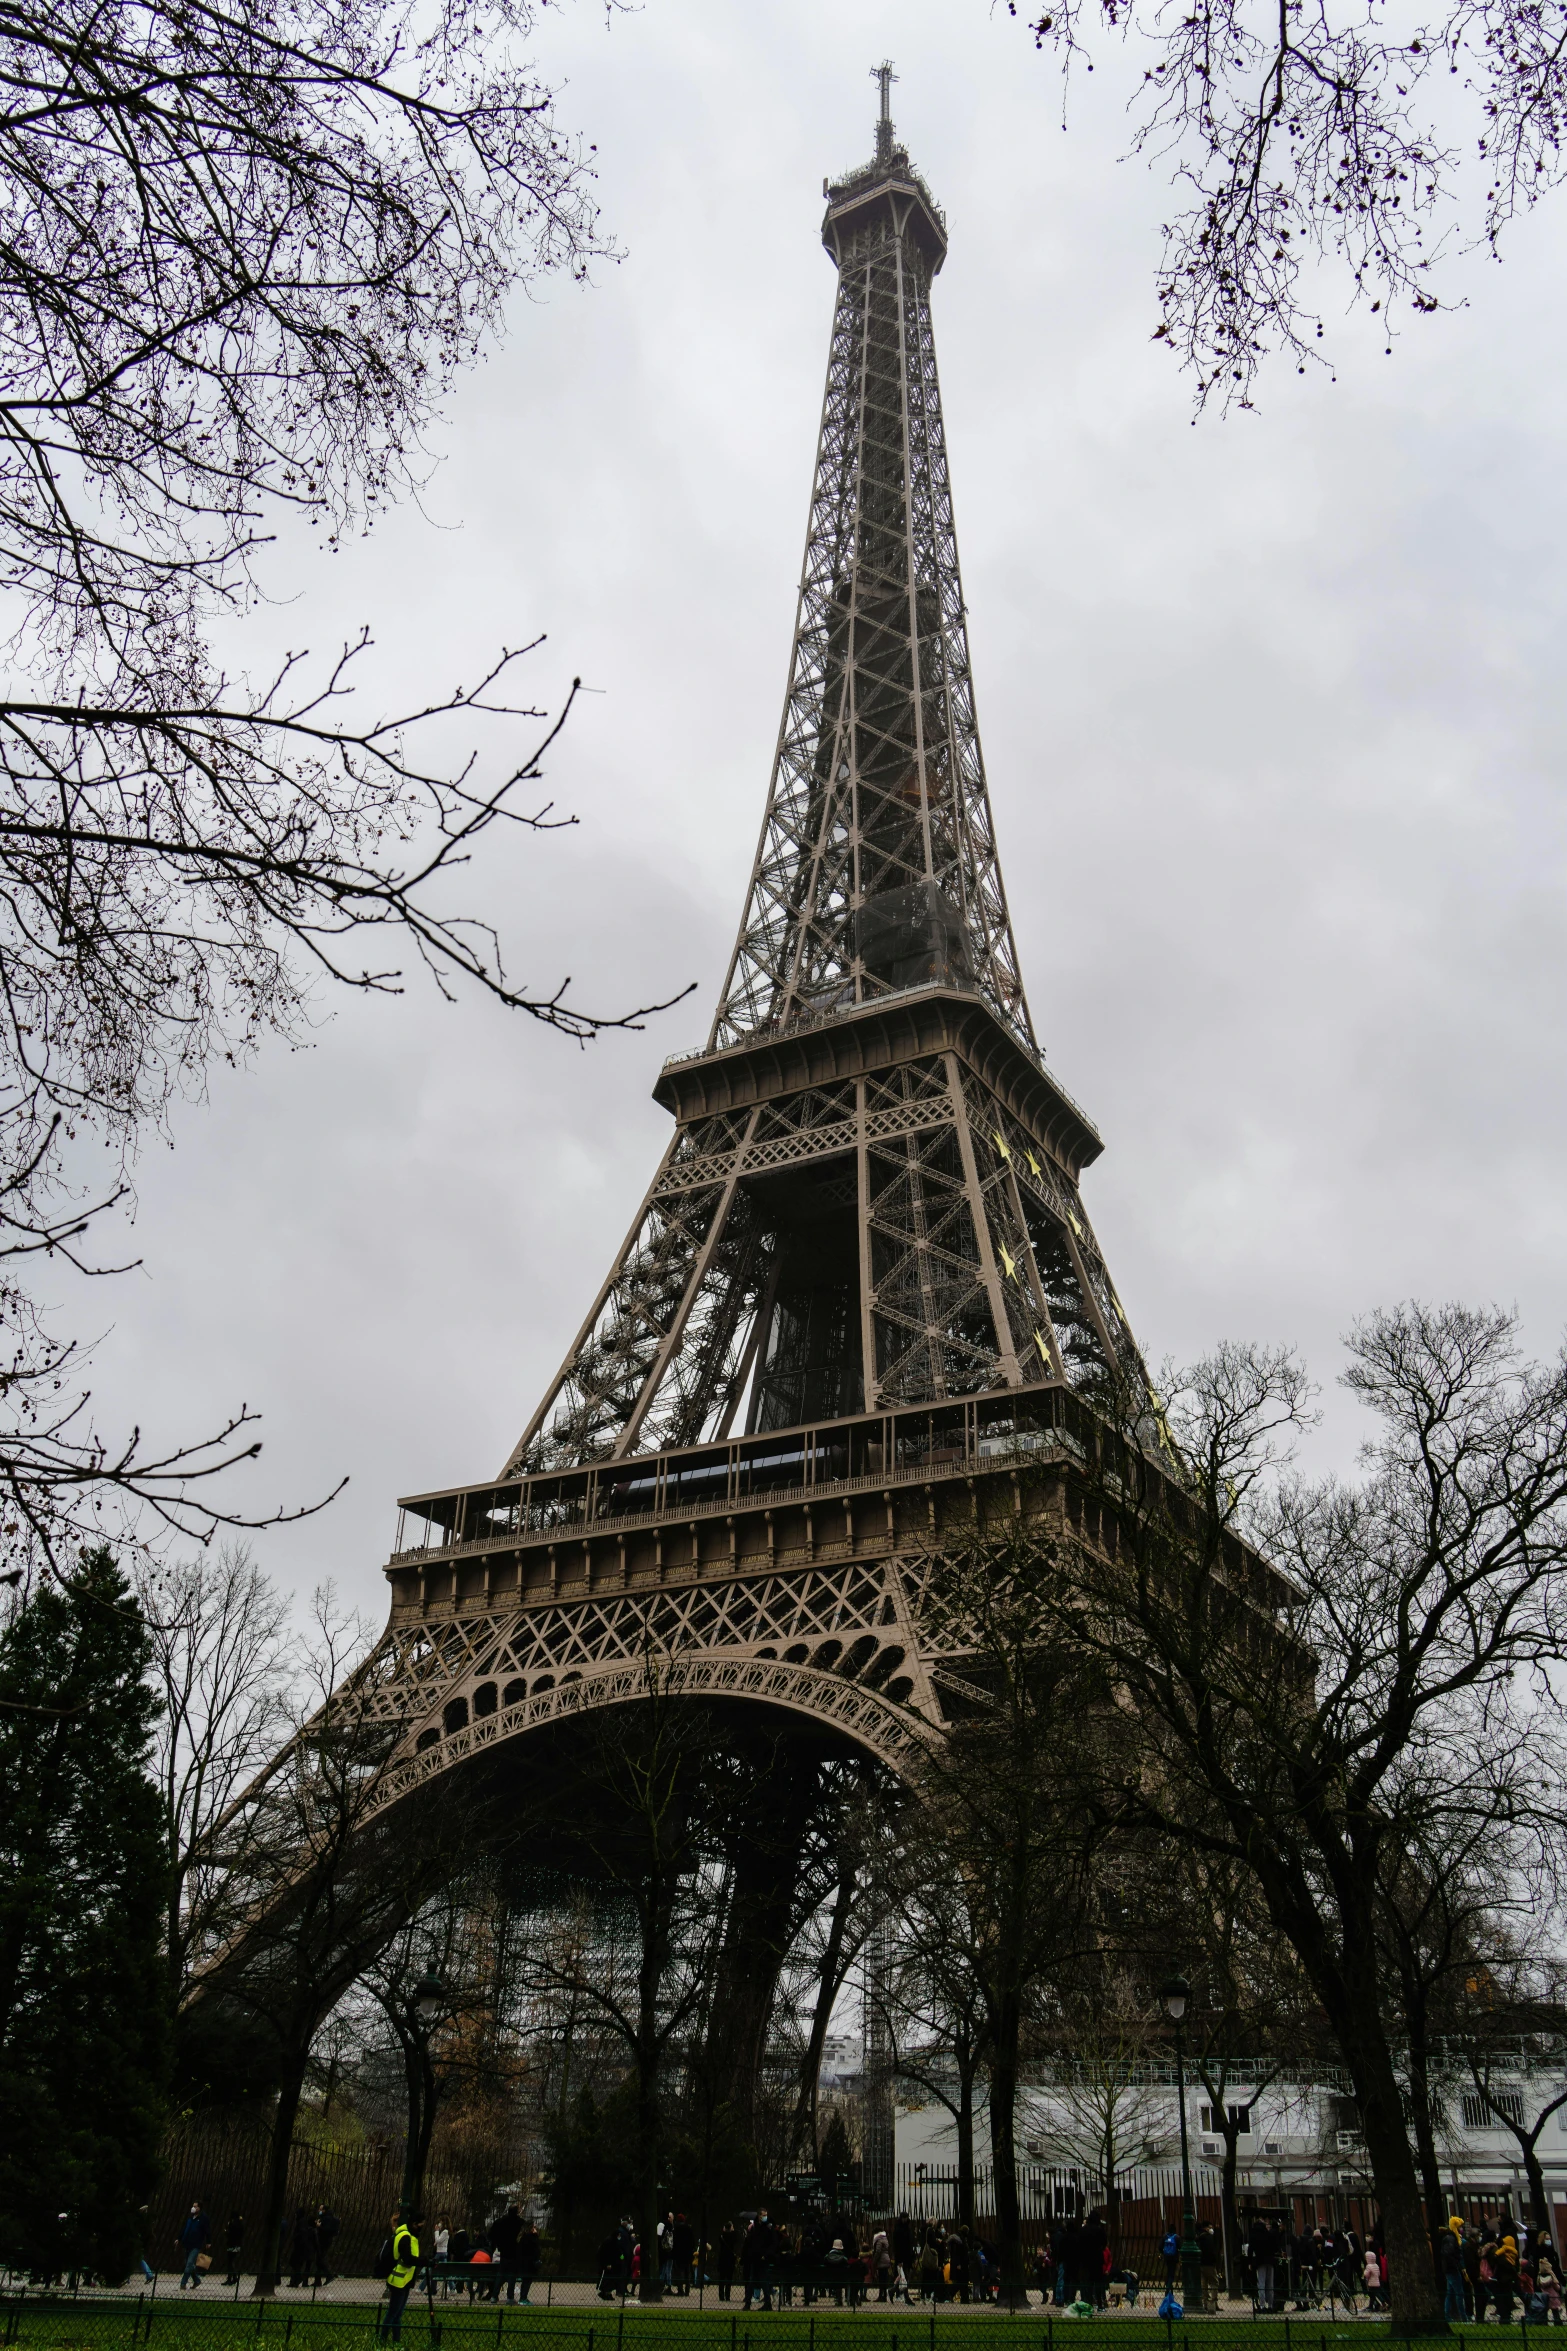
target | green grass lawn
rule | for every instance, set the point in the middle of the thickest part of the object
(43, 2325)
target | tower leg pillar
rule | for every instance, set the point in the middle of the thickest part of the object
(768, 1849)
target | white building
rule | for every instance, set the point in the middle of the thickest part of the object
(1300, 2148)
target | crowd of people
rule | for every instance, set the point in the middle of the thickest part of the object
(1306, 2268)
(304, 2247)
(484, 2264)
(1502, 2270)
(825, 2257)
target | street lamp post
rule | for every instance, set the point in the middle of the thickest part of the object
(1175, 1995)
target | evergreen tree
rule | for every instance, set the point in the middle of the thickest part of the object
(84, 2024)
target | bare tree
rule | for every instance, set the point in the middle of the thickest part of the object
(1004, 1800)
(1459, 1895)
(249, 253)
(223, 1667)
(1099, 2108)
(1384, 141)
(431, 1986)
(936, 2011)
(1513, 2031)
(634, 1783)
(1252, 2020)
(1303, 1723)
(321, 1878)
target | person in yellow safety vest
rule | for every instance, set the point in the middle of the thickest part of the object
(400, 2277)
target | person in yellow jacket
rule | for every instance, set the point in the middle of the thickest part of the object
(400, 2277)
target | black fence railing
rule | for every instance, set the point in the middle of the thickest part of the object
(40, 2322)
(222, 2163)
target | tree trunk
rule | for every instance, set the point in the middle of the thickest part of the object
(1417, 2307)
(1227, 2205)
(650, 2289)
(1345, 1971)
(289, 2089)
(1215, 2080)
(1425, 2147)
(1003, 2152)
(429, 2095)
(1539, 2215)
(965, 2119)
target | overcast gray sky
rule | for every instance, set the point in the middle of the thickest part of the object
(1272, 710)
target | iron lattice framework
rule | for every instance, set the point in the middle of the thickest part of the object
(871, 1195)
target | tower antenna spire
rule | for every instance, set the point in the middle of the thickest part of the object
(884, 77)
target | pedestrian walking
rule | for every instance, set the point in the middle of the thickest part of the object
(1452, 2256)
(903, 2244)
(194, 2238)
(402, 2269)
(724, 2260)
(1262, 2251)
(327, 2226)
(1094, 2247)
(530, 2258)
(609, 2267)
(1485, 2288)
(504, 2237)
(756, 2253)
(302, 2248)
(1504, 2278)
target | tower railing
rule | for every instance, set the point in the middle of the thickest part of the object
(876, 1450)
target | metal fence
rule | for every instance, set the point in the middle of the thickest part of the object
(1147, 2203)
(40, 2324)
(222, 2164)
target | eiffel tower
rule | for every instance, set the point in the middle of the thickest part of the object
(862, 1282)
(861, 1297)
